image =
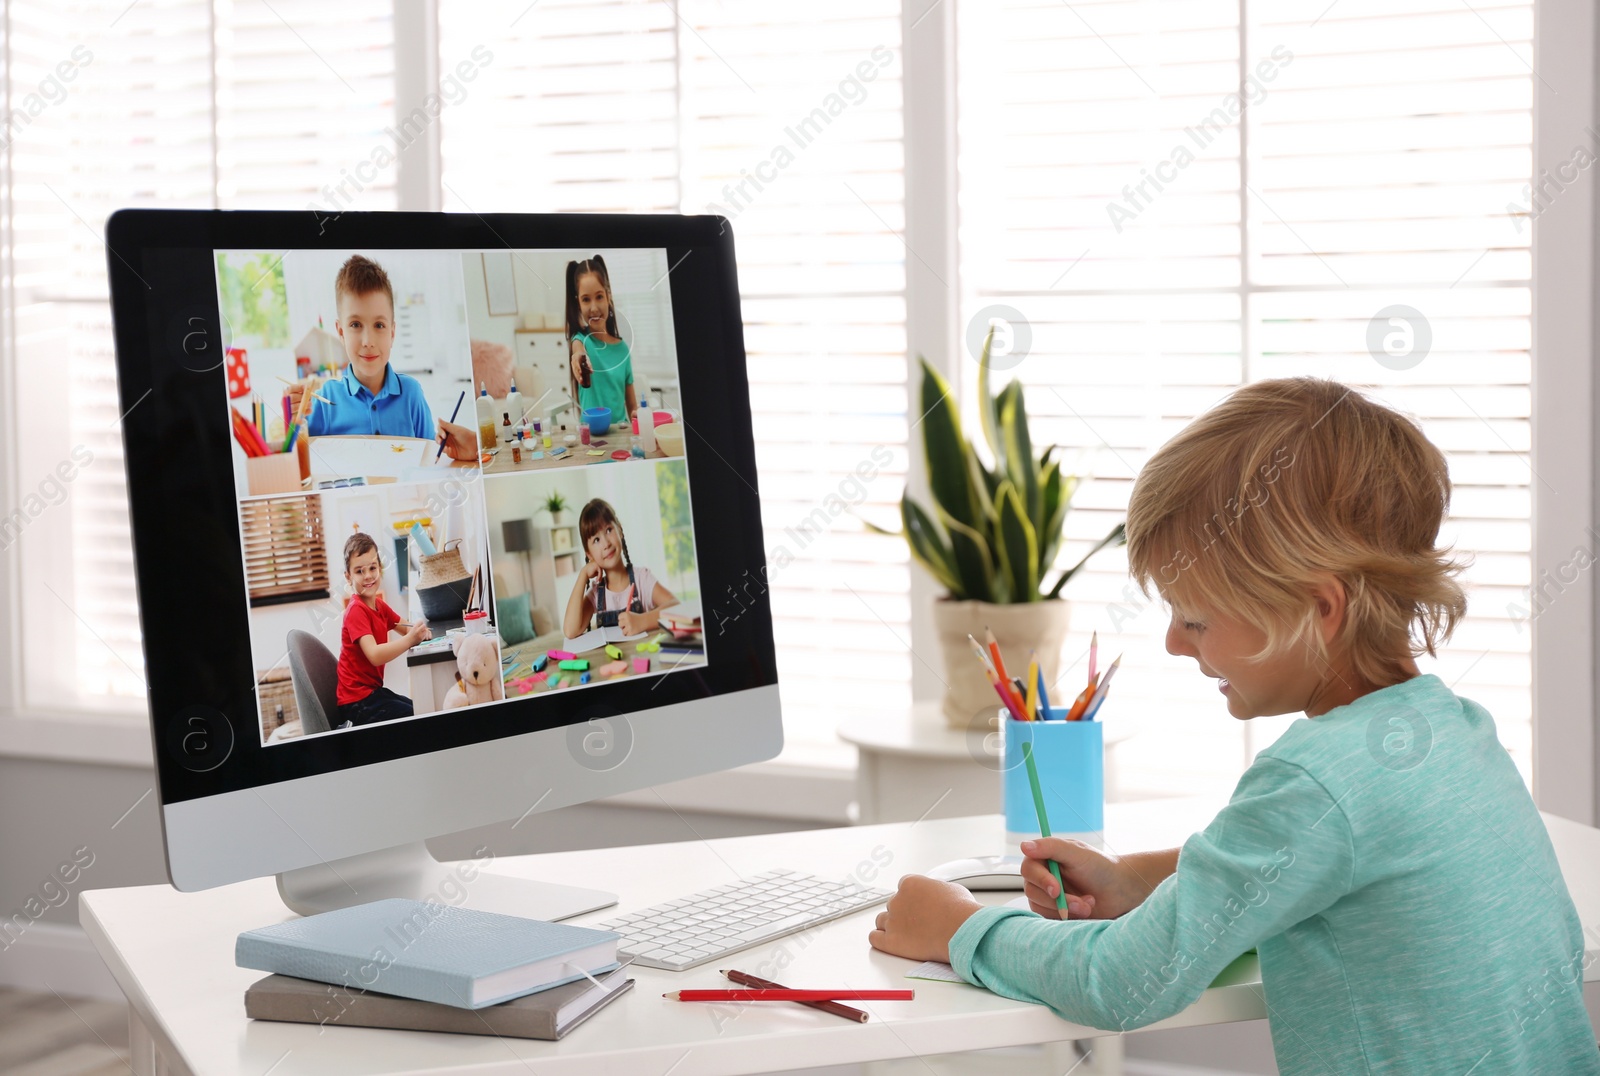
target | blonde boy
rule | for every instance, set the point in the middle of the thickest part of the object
(1383, 856)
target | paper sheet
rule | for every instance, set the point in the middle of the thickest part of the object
(932, 969)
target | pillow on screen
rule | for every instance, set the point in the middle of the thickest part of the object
(543, 622)
(491, 367)
(516, 626)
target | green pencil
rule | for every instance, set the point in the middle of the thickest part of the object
(1044, 823)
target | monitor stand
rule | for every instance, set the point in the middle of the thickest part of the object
(409, 870)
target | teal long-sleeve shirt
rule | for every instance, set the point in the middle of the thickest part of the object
(1386, 861)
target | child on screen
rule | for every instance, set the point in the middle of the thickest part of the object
(364, 643)
(371, 397)
(610, 582)
(601, 363)
(1383, 856)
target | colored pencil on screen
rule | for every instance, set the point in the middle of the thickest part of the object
(453, 415)
(1094, 653)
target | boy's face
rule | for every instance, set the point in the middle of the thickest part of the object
(593, 306)
(365, 574)
(366, 326)
(1284, 683)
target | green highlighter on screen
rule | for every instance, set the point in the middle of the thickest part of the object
(1044, 823)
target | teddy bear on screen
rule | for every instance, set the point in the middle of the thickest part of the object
(477, 672)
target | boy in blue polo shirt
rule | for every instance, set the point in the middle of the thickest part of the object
(370, 397)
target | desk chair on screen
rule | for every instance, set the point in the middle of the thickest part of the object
(314, 671)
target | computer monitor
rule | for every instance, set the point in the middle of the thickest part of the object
(357, 637)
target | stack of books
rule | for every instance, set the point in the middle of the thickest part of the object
(426, 966)
(683, 621)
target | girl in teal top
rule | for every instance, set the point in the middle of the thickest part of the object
(601, 364)
(1383, 856)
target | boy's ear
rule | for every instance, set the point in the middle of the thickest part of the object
(1332, 602)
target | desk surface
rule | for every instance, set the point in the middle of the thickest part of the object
(172, 954)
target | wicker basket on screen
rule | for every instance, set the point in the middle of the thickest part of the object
(444, 584)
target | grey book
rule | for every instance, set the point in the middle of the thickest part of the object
(549, 1014)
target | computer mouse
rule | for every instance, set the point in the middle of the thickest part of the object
(982, 872)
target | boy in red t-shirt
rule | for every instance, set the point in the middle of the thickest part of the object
(364, 644)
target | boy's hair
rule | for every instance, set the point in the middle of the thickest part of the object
(596, 514)
(575, 269)
(356, 545)
(1294, 479)
(361, 276)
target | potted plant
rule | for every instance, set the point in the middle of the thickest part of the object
(556, 505)
(992, 539)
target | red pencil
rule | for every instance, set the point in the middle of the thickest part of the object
(790, 995)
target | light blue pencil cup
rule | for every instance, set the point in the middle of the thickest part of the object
(1070, 758)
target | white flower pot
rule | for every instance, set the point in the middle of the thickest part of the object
(969, 700)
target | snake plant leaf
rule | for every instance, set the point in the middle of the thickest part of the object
(1019, 447)
(1018, 545)
(927, 545)
(988, 413)
(1052, 510)
(1117, 536)
(950, 475)
(973, 557)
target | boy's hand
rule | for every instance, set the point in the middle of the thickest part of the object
(921, 919)
(460, 443)
(1098, 886)
(297, 394)
(420, 632)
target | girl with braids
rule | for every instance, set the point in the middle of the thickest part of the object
(611, 588)
(601, 364)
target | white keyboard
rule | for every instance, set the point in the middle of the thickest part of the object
(686, 933)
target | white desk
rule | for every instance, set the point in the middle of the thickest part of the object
(172, 954)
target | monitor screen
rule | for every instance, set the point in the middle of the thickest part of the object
(462, 474)
(402, 484)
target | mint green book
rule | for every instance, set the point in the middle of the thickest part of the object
(430, 951)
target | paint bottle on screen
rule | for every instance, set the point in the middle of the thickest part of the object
(487, 433)
(647, 426)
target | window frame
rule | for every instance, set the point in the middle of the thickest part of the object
(1565, 669)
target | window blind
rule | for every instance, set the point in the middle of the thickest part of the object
(285, 555)
(1180, 198)
(766, 117)
(173, 103)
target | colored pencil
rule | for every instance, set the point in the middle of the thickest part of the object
(858, 1015)
(789, 995)
(453, 415)
(1012, 701)
(1044, 823)
(983, 655)
(1081, 703)
(1033, 686)
(1005, 697)
(299, 420)
(1094, 653)
(1100, 695)
(994, 651)
(246, 435)
(1044, 697)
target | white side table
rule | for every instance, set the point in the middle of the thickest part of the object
(914, 766)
